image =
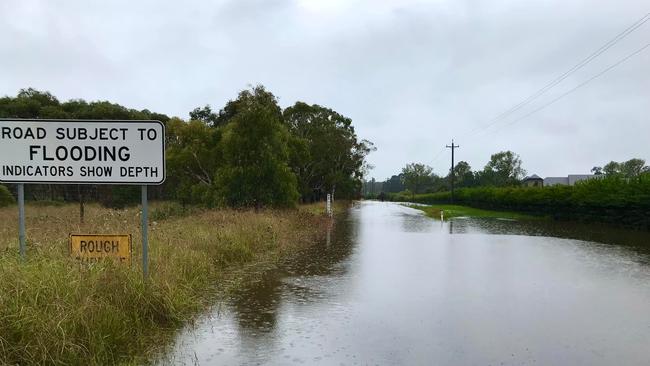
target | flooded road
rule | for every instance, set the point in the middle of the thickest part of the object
(389, 286)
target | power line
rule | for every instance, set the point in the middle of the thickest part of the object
(565, 75)
(577, 86)
(435, 157)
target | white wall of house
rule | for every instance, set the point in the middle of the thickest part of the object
(567, 181)
(573, 178)
(552, 181)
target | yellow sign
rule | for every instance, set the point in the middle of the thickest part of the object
(100, 246)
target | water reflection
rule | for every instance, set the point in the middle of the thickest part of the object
(256, 303)
(390, 286)
(600, 233)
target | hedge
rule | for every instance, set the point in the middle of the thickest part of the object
(616, 200)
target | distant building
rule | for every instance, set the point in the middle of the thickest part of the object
(552, 181)
(570, 180)
(573, 178)
(533, 181)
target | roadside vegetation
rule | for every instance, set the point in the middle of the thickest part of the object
(249, 153)
(616, 200)
(56, 310)
(504, 169)
(451, 211)
(618, 193)
(239, 180)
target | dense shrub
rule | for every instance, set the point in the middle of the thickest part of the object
(6, 198)
(618, 200)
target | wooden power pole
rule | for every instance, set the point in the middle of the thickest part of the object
(451, 172)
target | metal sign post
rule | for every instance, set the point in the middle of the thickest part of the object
(21, 219)
(145, 234)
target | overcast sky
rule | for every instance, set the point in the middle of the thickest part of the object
(412, 75)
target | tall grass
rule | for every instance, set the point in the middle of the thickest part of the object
(55, 310)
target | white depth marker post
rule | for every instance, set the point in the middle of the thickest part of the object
(329, 204)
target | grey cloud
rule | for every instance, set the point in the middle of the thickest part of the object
(411, 74)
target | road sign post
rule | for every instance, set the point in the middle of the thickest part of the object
(82, 152)
(145, 233)
(21, 219)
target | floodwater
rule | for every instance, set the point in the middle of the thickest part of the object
(389, 286)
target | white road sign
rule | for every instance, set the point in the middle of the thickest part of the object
(82, 152)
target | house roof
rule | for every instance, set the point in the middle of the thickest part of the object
(533, 177)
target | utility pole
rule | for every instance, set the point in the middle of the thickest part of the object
(451, 172)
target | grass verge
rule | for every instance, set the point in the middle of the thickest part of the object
(451, 211)
(54, 310)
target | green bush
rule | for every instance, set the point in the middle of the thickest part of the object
(6, 198)
(617, 200)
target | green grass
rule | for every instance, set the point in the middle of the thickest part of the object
(451, 211)
(320, 208)
(57, 311)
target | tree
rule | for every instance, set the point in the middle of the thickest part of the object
(612, 168)
(193, 155)
(254, 142)
(204, 115)
(394, 184)
(32, 103)
(437, 184)
(463, 175)
(597, 170)
(27, 104)
(326, 154)
(633, 167)
(43, 98)
(503, 169)
(416, 176)
(257, 95)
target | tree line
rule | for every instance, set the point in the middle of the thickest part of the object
(626, 169)
(504, 169)
(250, 153)
(620, 196)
